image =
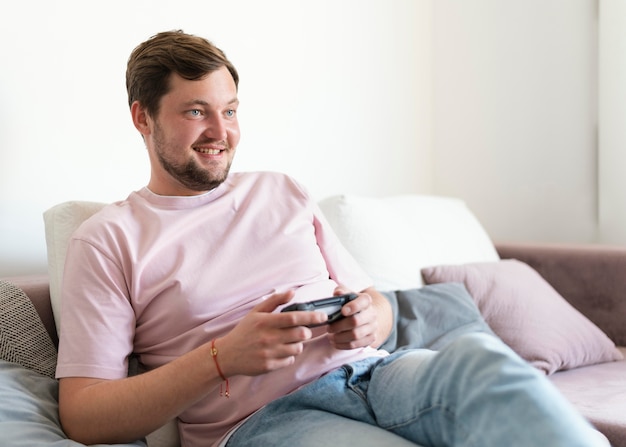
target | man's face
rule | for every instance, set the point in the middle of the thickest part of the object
(193, 139)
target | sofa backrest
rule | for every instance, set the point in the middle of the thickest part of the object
(392, 238)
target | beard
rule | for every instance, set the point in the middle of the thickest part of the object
(189, 173)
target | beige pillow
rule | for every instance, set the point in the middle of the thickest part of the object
(529, 315)
(60, 222)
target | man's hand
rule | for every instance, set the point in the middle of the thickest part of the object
(264, 341)
(367, 323)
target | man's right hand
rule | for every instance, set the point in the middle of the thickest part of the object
(264, 341)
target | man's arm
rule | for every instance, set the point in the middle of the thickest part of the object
(96, 411)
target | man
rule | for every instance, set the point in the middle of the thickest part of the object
(188, 274)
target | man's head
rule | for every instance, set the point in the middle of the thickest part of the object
(182, 93)
(151, 64)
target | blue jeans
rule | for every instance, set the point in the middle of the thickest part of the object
(475, 392)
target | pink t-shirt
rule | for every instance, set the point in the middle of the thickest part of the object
(158, 276)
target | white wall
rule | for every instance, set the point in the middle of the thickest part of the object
(334, 92)
(612, 121)
(515, 114)
(492, 101)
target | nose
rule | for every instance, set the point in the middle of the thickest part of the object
(216, 128)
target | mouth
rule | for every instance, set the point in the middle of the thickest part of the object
(211, 149)
(208, 151)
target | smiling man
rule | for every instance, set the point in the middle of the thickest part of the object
(199, 117)
(188, 273)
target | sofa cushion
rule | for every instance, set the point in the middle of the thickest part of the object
(29, 414)
(60, 222)
(393, 237)
(23, 337)
(599, 393)
(529, 315)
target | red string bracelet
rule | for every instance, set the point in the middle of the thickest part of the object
(219, 371)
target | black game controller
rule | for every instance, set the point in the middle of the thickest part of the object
(331, 306)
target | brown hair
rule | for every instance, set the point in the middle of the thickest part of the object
(152, 62)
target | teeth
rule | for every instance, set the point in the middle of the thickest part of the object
(208, 151)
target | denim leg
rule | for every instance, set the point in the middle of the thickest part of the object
(325, 412)
(312, 428)
(475, 392)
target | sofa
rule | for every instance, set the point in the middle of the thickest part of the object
(559, 306)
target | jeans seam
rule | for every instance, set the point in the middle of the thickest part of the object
(355, 388)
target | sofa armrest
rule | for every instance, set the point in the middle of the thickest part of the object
(591, 277)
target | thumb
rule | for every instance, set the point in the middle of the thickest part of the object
(273, 301)
(341, 290)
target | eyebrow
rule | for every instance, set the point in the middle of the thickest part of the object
(202, 102)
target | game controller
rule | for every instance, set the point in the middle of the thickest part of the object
(331, 306)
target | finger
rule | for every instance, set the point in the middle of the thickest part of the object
(357, 305)
(353, 343)
(273, 301)
(341, 290)
(353, 338)
(363, 316)
(303, 318)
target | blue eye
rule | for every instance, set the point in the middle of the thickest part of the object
(195, 112)
(230, 113)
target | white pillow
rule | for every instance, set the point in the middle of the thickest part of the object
(60, 222)
(393, 238)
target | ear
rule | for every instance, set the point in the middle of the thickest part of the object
(140, 118)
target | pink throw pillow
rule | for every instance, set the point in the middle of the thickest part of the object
(529, 315)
